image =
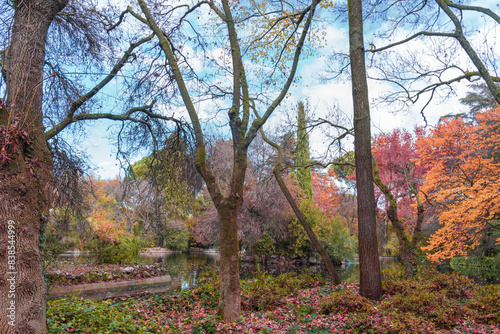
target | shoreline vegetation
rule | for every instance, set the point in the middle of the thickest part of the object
(292, 303)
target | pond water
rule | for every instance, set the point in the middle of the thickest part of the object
(185, 268)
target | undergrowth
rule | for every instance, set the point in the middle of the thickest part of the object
(293, 303)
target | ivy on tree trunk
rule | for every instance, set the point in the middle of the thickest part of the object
(26, 176)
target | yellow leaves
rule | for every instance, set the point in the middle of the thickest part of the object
(268, 33)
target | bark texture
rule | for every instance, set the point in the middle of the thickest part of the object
(26, 175)
(230, 297)
(369, 281)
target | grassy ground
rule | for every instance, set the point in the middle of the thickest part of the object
(294, 304)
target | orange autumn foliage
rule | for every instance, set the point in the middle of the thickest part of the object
(105, 215)
(463, 182)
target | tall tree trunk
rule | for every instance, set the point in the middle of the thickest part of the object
(230, 290)
(370, 280)
(25, 180)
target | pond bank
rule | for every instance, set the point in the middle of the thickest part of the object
(71, 274)
(121, 289)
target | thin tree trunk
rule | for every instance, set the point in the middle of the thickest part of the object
(310, 233)
(25, 180)
(303, 221)
(370, 281)
(405, 250)
(417, 231)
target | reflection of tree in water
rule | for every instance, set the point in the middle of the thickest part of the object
(188, 267)
(480, 275)
(182, 266)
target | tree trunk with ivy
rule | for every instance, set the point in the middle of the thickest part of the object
(407, 248)
(25, 171)
(370, 283)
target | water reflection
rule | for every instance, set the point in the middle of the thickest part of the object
(182, 266)
(186, 268)
(480, 275)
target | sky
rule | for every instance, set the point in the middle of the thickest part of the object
(322, 95)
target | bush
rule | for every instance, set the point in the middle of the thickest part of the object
(392, 245)
(267, 293)
(394, 286)
(395, 322)
(125, 251)
(89, 316)
(345, 301)
(53, 247)
(264, 246)
(176, 239)
(339, 243)
(454, 285)
(207, 325)
(473, 261)
(435, 306)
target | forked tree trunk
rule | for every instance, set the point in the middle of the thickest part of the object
(25, 180)
(370, 283)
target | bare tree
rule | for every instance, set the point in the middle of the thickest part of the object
(243, 129)
(370, 284)
(450, 33)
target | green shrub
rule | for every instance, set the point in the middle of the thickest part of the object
(209, 294)
(345, 301)
(53, 247)
(454, 285)
(267, 292)
(392, 245)
(475, 261)
(176, 239)
(207, 325)
(339, 243)
(397, 285)
(125, 251)
(264, 246)
(89, 316)
(395, 322)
